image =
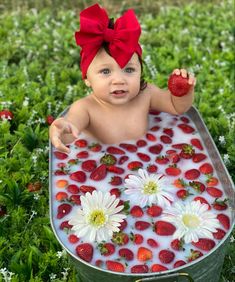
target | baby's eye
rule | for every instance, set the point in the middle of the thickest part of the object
(105, 71)
(129, 70)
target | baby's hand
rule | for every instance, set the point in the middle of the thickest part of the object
(181, 82)
(58, 129)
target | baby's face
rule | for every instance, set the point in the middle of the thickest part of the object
(112, 84)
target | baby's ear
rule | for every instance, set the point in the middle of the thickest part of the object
(87, 82)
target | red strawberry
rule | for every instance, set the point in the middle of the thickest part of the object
(87, 189)
(78, 176)
(135, 165)
(173, 157)
(115, 150)
(214, 192)
(224, 220)
(219, 234)
(155, 149)
(151, 137)
(165, 139)
(144, 254)
(206, 168)
(185, 119)
(178, 85)
(202, 201)
(179, 145)
(116, 192)
(82, 155)
(198, 186)
(61, 196)
(192, 174)
(154, 210)
(168, 131)
(60, 155)
(60, 172)
(166, 256)
(152, 243)
(196, 143)
(179, 183)
(129, 147)
(177, 244)
(123, 159)
(6, 115)
(49, 119)
(199, 157)
(187, 152)
(73, 239)
(75, 199)
(108, 159)
(220, 205)
(95, 147)
(142, 225)
(106, 249)
(73, 189)
(144, 157)
(158, 268)
(99, 263)
(115, 169)
(116, 180)
(164, 228)
(141, 143)
(123, 225)
(136, 211)
(63, 210)
(162, 160)
(99, 173)
(173, 171)
(115, 266)
(212, 181)
(179, 263)
(152, 168)
(182, 194)
(186, 128)
(154, 112)
(204, 244)
(120, 238)
(155, 128)
(89, 165)
(126, 253)
(137, 238)
(65, 225)
(81, 143)
(139, 268)
(194, 254)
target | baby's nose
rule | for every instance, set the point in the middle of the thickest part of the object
(118, 78)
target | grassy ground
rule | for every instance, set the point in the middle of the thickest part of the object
(39, 77)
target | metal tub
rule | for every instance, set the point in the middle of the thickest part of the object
(206, 268)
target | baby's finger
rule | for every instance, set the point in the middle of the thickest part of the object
(74, 130)
(191, 79)
(184, 73)
(55, 140)
(176, 71)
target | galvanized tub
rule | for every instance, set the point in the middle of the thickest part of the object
(207, 268)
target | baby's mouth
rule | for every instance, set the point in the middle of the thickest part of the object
(118, 92)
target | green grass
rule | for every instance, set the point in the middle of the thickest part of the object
(39, 76)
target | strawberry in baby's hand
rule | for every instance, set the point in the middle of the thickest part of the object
(178, 85)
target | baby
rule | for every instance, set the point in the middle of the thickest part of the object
(118, 106)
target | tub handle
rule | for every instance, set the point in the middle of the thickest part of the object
(186, 275)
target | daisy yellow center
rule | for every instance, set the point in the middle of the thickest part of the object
(191, 220)
(150, 188)
(97, 218)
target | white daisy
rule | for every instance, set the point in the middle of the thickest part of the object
(98, 217)
(146, 189)
(192, 221)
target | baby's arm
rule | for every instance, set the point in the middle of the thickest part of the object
(66, 129)
(163, 100)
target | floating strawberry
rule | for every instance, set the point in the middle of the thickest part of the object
(224, 220)
(196, 143)
(141, 143)
(134, 165)
(99, 263)
(136, 211)
(219, 234)
(95, 147)
(60, 155)
(162, 160)
(204, 244)
(115, 150)
(140, 268)
(120, 238)
(144, 254)
(82, 155)
(73, 189)
(126, 253)
(179, 145)
(81, 143)
(173, 171)
(151, 137)
(199, 157)
(155, 128)
(177, 244)
(166, 139)
(61, 183)
(179, 183)
(198, 186)
(108, 159)
(75, 199)
(65, 225)
(173, 157)
(185, 119)
(158, 268)
(63, 210)
(192, 174)
(152, 243)
(136, 238)
(187, 152)
(182, 194)
(179, 263)
(168, 131)
(78, 176)
(61, 196)
(186, 128)
(123, 159)
(115, 169)
(85, 251)
(155, 149)
(154, 211)
(166, 256)
(106, 249)
(220, 205)
(164, 228)
(144, 157)
(202, 201)
(89, 165)
(214, 192)
(116, 192)
(206, 168)
(142, 225)
(178, 85)
(87, 189)
(194, 254)
(116, 180)
(115, 266)
(123, 225)
(129, 147)
(152, 168)
(73, 239)
(99, 173)
(211, 181)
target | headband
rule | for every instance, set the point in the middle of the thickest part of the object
(94, 31)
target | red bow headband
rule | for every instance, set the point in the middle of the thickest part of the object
(94, 31)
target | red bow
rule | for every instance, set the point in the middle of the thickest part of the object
(94, 31)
